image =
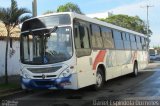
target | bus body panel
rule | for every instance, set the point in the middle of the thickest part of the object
(69, 82)
(85, 72)
(83, 69)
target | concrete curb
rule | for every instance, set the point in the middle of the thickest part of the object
(11, 94)
(8, 90)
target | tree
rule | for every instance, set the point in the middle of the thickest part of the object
(10, 18)
(69, 7)
(129, 22)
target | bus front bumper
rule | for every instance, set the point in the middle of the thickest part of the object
(69, 82)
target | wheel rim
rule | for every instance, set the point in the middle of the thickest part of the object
(99, 79)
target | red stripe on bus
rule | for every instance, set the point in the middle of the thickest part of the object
(99, 58)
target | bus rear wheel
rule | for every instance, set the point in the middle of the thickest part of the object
(99, 80)
(135, 70)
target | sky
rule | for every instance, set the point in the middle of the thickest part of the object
(100, 8)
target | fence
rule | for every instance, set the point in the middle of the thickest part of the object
(13, 58)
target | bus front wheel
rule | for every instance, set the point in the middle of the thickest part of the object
(99, 79)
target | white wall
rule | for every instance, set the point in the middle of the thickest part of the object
(13, 61)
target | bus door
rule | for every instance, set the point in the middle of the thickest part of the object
(83, 52)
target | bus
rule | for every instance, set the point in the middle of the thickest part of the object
(71, 51)
(153, 54)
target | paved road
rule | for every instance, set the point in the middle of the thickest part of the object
(144, 87)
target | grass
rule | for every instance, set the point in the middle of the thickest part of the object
(9, 86)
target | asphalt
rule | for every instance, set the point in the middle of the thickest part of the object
(144, 88)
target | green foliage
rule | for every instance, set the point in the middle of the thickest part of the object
(129, 22)
(22, 19)
(9, 86)
(10, 16)
(156, 47)
(69, 7)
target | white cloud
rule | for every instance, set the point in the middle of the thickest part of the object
(139, 10)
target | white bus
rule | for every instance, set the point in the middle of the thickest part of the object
(70, 51)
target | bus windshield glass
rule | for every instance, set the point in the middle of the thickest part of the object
(47, 21)
(46, 46)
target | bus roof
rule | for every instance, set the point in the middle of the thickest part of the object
(92, 20)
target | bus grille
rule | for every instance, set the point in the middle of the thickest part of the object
(44, 70)
(43, 83)
(47, 76)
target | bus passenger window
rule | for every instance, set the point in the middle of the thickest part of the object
(126, 40)
(96, 37)
(133, 42)
(107, 37)
(144, 47)
(77, 38)
(139, 44)
(118, 39)
(81, 37)
(84, 41)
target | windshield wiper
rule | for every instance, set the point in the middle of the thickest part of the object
(52, 30)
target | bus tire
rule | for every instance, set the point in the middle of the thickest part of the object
(29, 91)
(26, 90)
(99, 80)
(135, 70)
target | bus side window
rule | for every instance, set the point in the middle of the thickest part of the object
(81, 35)
(84, 39)
(143, 43)
(107, 37)
(118, 39)
(139, 45)
(126, 41)
(77, 38)
(96, 37)
(146, 44)
(133, 42)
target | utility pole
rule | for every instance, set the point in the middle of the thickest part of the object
(34, 8)
(147, 7)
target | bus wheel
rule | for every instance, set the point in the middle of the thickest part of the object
(135, 70)
(26, 90)
(99, 79)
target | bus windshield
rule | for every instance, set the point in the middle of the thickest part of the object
(46, 46)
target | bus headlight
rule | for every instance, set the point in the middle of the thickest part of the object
(26, 75)
(65, 73)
